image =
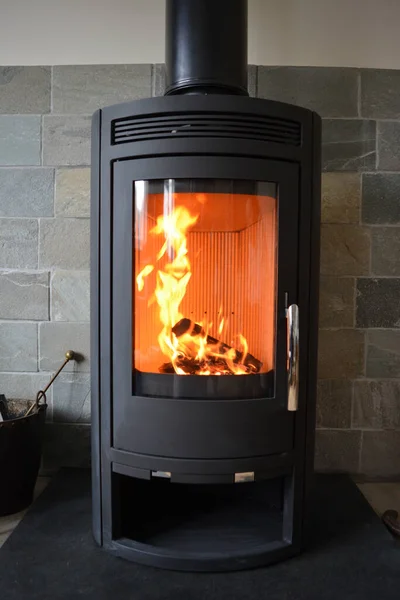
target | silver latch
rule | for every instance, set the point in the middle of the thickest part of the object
(243, 477)
(161, 474)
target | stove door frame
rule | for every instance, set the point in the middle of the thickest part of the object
(217, 429)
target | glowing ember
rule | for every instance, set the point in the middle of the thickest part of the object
(188, 346)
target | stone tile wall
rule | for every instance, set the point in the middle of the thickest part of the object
(359, 354)
(44, 247)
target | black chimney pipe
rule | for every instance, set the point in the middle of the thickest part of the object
(206, 47)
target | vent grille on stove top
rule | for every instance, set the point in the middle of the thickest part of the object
(197, 124)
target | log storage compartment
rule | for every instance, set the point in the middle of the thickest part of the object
(204, 296)
(215, 519)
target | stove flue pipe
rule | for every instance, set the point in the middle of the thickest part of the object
(206, 47)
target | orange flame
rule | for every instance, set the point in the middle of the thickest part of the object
(193, 352)
(143, 273)
(172, 282)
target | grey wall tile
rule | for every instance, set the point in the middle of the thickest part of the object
(337, 451)
(66, 140)
(388, 145)
(158, 80)
(340, 354)
(348, 145)
(378, 303)
(72, 398)
(383, 353)
(331, 92)
(64, 243)
(24, 296)
(18, 243)
(336, 302)
(345, 249)
(380, 93)
(334, 399)
(341, 197)
(18, 348)
(72, 197)
(385, 251)
(26, 192)
(380, 454)
(56, 338)
(82, 89)
(70, 296)
(376, 404)
(381, 198)
(66, 445)
(25, 90)
(23, 385)
(19, 140)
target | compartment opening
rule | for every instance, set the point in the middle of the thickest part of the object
(199, 518)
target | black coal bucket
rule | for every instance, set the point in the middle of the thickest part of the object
(21, 436)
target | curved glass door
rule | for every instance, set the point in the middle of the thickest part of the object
(205, 281)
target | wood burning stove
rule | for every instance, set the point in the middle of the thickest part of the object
(205, 246)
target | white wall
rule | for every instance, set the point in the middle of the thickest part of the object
(362, 33)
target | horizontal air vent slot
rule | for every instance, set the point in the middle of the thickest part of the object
(209, 124)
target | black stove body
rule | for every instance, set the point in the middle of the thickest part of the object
(205, 264)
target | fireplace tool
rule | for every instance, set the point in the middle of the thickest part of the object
(41, 395)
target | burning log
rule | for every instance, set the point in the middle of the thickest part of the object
(215, 365)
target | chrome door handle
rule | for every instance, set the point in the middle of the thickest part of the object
(292, 322)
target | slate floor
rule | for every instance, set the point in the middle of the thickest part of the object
(9, 523)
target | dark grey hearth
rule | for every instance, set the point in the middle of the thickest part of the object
(349, 556)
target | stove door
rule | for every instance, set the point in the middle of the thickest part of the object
(205, 350)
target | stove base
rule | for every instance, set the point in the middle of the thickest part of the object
(152, 556)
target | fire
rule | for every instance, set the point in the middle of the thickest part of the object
(189, 346)
(143, 273)
(172, 282)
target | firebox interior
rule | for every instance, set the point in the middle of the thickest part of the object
(211, 277)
